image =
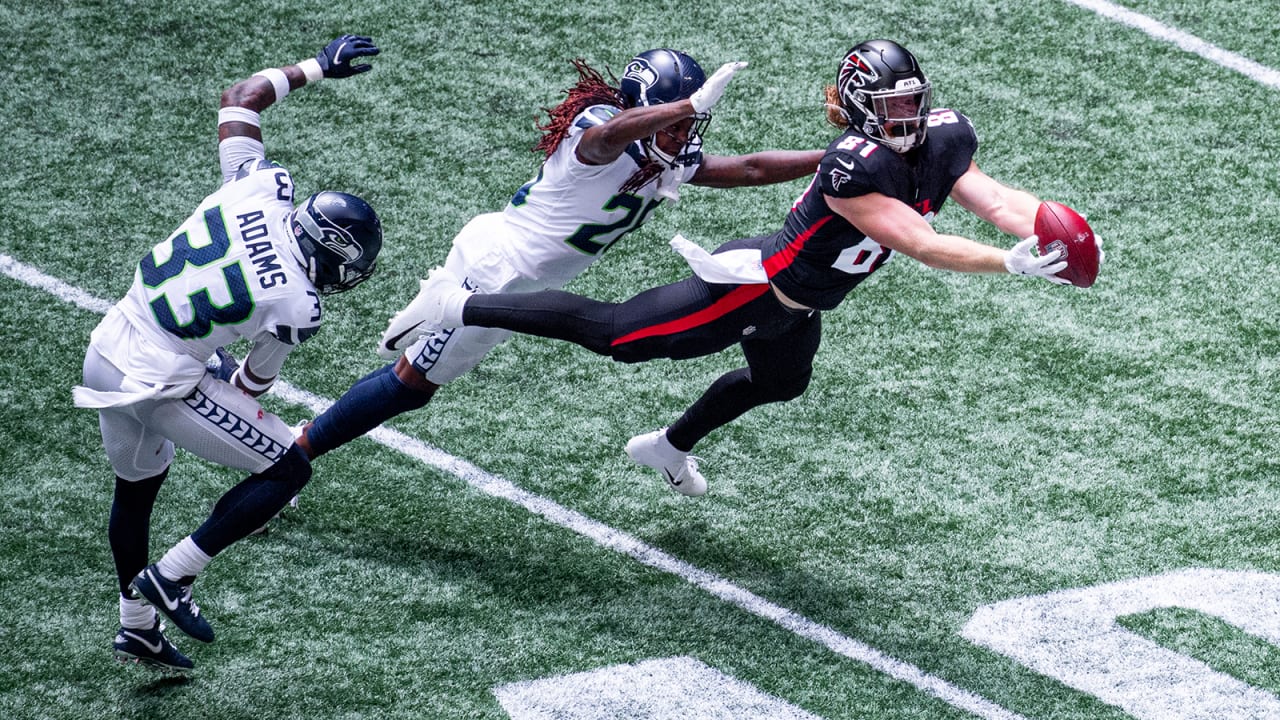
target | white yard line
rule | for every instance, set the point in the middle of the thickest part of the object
(596, 531)
(1190, 43)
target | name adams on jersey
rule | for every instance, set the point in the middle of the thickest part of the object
(227, 272)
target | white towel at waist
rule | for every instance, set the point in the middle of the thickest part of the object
(86, 397)
(732, 267)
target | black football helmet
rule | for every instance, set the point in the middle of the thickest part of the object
(338, 238)
(885, 94)
(656, 77)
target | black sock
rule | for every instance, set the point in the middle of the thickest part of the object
(129, 527)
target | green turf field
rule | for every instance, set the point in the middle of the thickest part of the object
(998, 499)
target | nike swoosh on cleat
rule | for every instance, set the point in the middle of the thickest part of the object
(155, 648)
(171, 604)
(391, 342)
(671, 479)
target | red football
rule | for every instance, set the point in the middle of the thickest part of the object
(1061, 228)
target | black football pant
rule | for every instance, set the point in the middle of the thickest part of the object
(683, 320)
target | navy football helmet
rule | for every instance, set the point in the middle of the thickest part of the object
(885, 94)
(338, 238)
(657, 77)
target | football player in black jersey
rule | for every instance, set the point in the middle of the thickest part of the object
(875, 193)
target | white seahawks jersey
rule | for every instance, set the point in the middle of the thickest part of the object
(570, 212)
(226, 273)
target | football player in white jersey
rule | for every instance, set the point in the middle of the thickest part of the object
(246, 264)
(613, 154)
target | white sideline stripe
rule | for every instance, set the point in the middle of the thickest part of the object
(602, 534)
(1192, 44)
(52, 285)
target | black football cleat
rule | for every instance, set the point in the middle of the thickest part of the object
(174, 600)
(150, 649)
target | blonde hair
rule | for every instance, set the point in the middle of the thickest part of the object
(836, 114)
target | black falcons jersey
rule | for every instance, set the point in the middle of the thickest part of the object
(818, 256)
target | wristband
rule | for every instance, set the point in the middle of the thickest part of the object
(236, 113)
(311, 68)
(242, 379)
(278, 79)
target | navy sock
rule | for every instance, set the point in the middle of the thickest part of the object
(249, 505)
(129, 528)
(374, 399)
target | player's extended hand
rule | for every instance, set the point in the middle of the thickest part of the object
(709, 94)
(1022, 260)
(335, 59)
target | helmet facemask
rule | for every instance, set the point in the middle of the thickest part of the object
(689, 152)
(897, 118)
(884, 94)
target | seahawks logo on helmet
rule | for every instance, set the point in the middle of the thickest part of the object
(643, 74)
(660, 76)
(338, 237)
(331, 236)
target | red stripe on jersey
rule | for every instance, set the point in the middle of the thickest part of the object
(783, 258)
(736, 298)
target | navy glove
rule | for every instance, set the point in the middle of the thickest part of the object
(335, 59)
(225, 367)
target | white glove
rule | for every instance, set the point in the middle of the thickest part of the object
(1022, 260)
(709, 94)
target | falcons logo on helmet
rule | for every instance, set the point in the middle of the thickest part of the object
(857, 72)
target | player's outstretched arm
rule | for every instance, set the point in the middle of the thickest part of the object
(1012, 211)
(760, 168)
(605, 143)
(238, 117)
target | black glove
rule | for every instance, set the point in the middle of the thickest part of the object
(335, 59)
(225, 367)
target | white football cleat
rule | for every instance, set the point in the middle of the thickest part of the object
(679, 468)
(426, 313)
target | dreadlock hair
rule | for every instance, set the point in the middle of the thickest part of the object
(591, 89)
(642, 176)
